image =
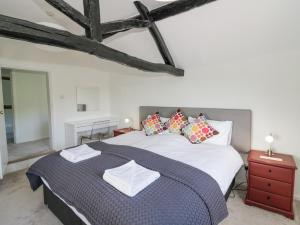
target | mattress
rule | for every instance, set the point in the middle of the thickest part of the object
(220, 162)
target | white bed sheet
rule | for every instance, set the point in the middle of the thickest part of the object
(220, 162)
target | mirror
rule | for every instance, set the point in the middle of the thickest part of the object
(88, 99)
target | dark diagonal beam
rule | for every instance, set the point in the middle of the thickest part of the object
(169, 10)
(176, 8)
(70, 12)
(163, 49)
(27, 31)
(92, 11)
(121, 25)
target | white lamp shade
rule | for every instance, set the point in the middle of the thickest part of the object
(127, 121)
(269, 139)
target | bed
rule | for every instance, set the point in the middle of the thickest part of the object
(221, 163)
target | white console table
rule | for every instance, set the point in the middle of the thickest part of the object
(74, 128)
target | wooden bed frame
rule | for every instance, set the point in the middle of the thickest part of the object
(66, 215)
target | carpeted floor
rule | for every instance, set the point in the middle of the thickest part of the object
(17, 152)
(20, 206)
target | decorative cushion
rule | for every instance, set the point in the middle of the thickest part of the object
(223, 127)
(153, 125)
(199, 130)
(177, 122)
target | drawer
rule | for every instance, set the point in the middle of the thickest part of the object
(271, 172)
(269, 199)
(273, 186)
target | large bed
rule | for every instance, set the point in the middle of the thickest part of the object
(219, 164)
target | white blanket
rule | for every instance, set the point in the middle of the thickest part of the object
(130, 178)
(220, 162)
(79, 153)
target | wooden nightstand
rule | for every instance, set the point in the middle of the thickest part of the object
(118, 132)
(271, 182)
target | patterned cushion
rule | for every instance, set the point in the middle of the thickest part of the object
(177, 122)
(199, 130)
(153, 125)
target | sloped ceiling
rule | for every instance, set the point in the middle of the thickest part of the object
(219, 32)
(222, 31)
(41, 11)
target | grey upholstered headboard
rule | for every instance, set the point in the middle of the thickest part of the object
(241, 133)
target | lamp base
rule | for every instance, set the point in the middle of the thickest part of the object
(269, 153)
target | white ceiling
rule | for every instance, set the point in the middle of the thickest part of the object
(220, 32)
(41, 11)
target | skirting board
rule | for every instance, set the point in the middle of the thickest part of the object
(297, 197)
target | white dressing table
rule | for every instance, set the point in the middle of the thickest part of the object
(74, 128)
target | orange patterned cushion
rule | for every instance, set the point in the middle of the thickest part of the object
(177, 122)
(199, 130)
(153, 125)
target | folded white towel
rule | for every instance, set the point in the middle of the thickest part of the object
(79, 153)
(130, 178)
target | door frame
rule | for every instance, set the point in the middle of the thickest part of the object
(3, 162)
(49, 90)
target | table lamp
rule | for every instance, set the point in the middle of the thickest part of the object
(128, 122)
(269, 139)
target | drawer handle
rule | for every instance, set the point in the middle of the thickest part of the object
(269, 184)
(268, 197)
(270, 171)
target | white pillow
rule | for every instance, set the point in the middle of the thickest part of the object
(223, 127)
(164, 119)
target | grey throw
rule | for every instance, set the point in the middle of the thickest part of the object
(183, 195)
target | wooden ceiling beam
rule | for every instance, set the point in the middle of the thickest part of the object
(157, 14)
(121, 25)
(92, 11)
(27, 31)
(176, 8)
(84, 21)
(169, 10)
(70, 12)
(162, 47)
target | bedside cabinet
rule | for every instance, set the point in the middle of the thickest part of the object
(118, 132)
(271, 182)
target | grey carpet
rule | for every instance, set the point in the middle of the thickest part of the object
(17, 152)
(20, 206)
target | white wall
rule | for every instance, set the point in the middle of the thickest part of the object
(64, 82)
(88, 96)
(256, 84)
(30, 102)
(67, 71)
(236, 54)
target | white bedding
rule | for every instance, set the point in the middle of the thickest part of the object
(220, 162)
